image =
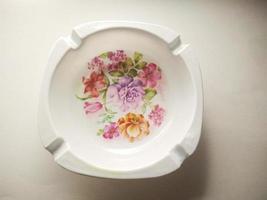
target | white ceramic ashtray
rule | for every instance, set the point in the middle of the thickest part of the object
(121, 100)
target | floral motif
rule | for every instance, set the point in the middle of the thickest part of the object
(128, 84)
(116, 58)
(96, 64)
(94, 84)
(157, 115)
(92, 107)
(111, 130)
(133, 126)
(150, 75)
(128, 93)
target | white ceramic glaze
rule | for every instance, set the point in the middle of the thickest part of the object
(70, 135)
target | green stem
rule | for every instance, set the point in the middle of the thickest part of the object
(82, 98)
(105, 96)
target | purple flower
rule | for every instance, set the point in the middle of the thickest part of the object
(111, 130)
(157, 115)
(127, 93)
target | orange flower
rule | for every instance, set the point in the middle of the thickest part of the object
(133, 126)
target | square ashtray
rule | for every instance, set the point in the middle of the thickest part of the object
(121, 100)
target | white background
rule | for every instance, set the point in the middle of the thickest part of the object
(230, 40)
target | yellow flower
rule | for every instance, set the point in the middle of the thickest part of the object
(133, 126)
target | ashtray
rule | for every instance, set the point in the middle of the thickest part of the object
(121, 99)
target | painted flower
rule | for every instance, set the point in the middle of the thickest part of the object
(114, 67)
(133, 126)
(157, 115)
(111, 130)
(127, 86)
(150, 75)
(127, 93)
(94, 84)
(92, 107)
(116, 58)
(96, 64)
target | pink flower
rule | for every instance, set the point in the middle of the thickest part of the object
(96, 64)
(92, 107)
(94, 83)
(157, 115)
(150, 75)
(115, 58)
(111, 130)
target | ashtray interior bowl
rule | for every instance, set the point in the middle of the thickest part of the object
(121, 100)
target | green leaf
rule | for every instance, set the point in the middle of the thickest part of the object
(103, 91)
(104, 55)
(137, 57)
(110, 111)
(141, 65)
(122, 66)
(129, 62)
(143, 108)
(116, 73)
(107, 80)
(125, 67)
(100, 132)
(132, 73)
(107, 118)
(149, 94)
(115, 80)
